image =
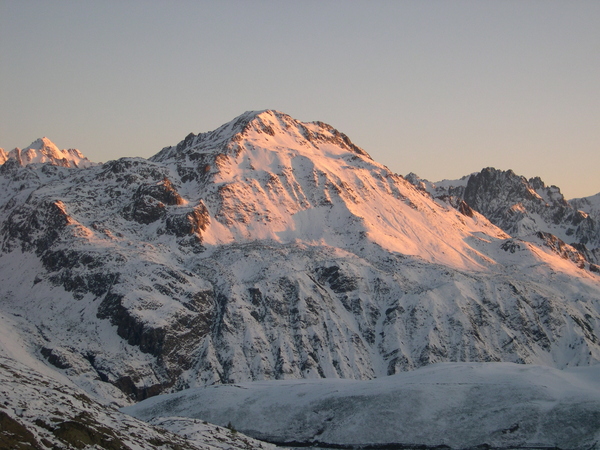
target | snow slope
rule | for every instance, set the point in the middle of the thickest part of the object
(461, 405)
(38, 411)
(267, 176)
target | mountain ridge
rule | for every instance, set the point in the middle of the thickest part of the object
(43, 150)
(272, 249)
(231, 165)
(269, 122)
(524, 208)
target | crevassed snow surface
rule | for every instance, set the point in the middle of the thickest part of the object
(456, 404)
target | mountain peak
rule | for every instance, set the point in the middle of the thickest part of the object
(265, 129)
(43, 150)
(273, 123)
(267, 121)
(260, 114)
(43, 144)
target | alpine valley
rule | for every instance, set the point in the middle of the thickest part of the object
(225, 271)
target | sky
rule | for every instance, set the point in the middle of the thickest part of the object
(438, 88)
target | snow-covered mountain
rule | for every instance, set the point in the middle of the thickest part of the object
(271, 249)
(524, 208)
(43, 150)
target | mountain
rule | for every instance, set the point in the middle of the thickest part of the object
(269, 177)
(270, 249)
(527, 209)
(45, 151)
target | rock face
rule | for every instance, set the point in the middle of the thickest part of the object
(524, 208)
(272, 249)
(511, 202)
(589, 205)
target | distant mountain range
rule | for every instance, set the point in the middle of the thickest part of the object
(275, 249)
(43, 150)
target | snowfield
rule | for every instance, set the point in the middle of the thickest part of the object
(461, 405)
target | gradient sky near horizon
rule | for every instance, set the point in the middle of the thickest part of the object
(439, 88)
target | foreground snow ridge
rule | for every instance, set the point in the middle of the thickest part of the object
(460, 405)
(37, 411)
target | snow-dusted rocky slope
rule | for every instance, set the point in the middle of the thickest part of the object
(589, 205)
(460, 405)
(271, 249)
(38, 412)
(43, 150)
(527, 209)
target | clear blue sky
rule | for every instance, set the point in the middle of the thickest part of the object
(439, 88)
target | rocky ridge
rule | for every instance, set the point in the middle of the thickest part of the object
(589, 205)
(527, 209)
